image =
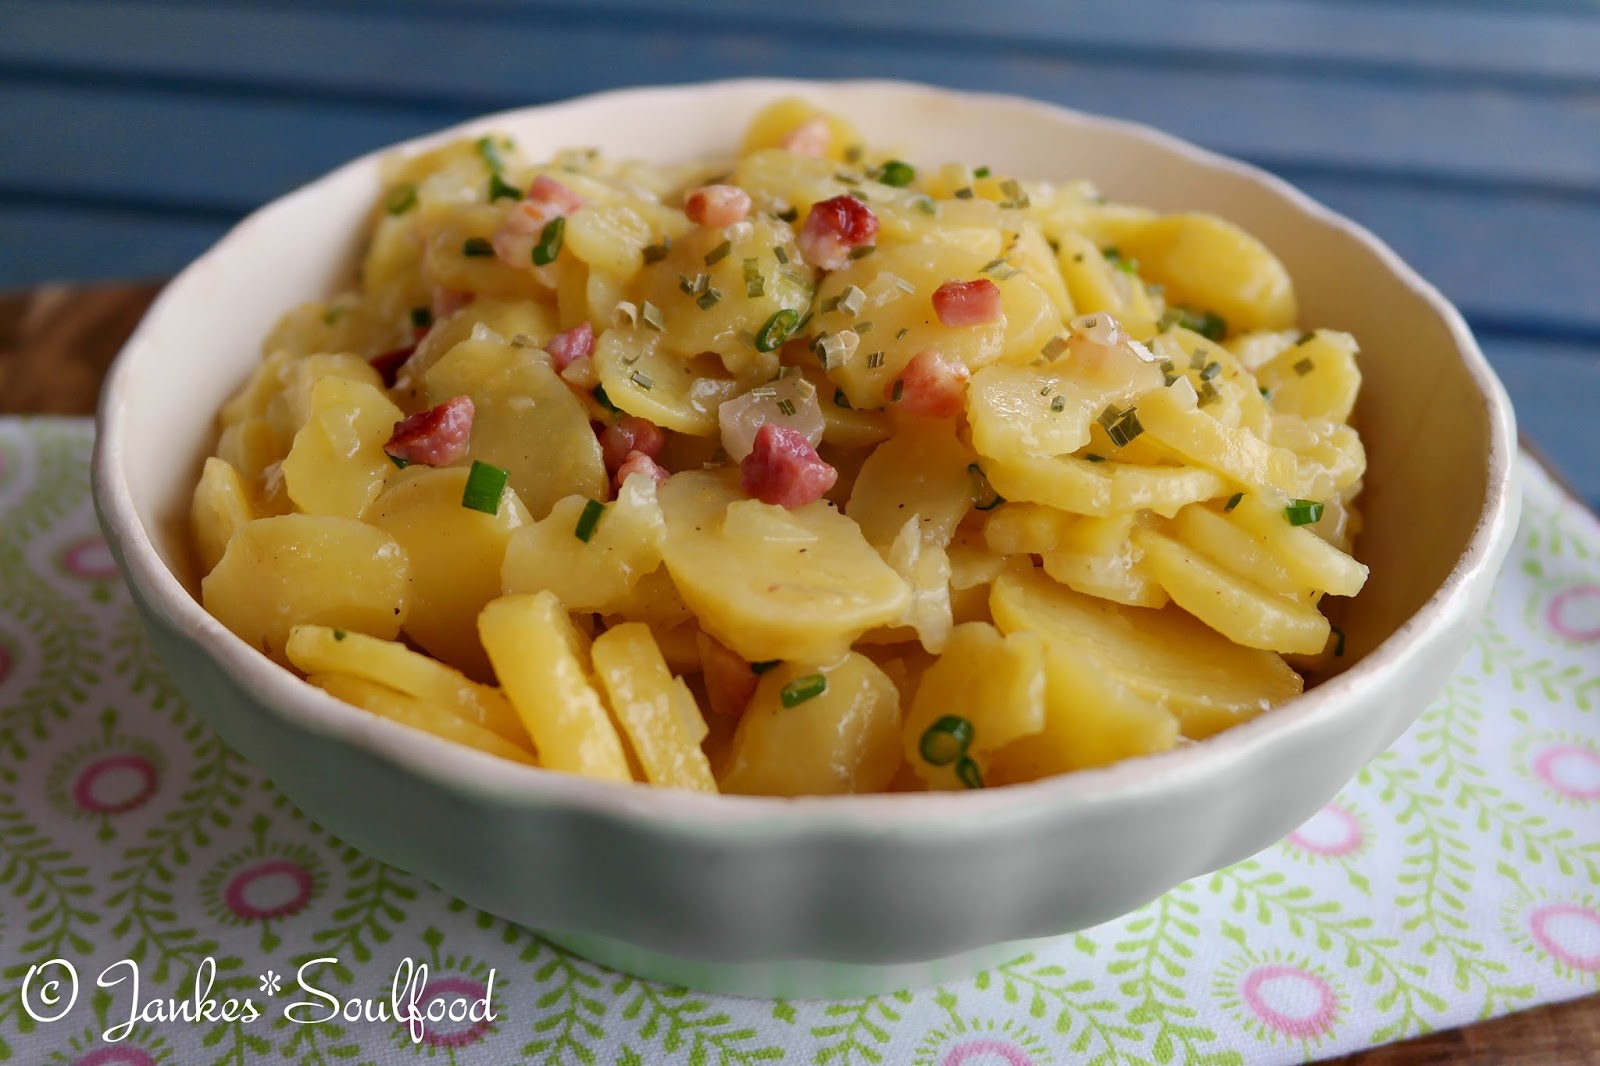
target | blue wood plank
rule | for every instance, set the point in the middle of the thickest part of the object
(44, 244)
(454, 64)
(1554, 388)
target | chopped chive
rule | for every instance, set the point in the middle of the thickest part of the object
(1210, 370)
(1093, 458)
(1209, 324)
(592, 512)
(1302, 339)
(926, 205)
(401, 199)
(828, 305)
(1303, 512)
(896, 173)
(786, 408)
(846, 179)
(1048, 388)
(777, 330)
(1077, 257)
(1197, 360)
(339, 634)
(765, 665)
(421, 318)
(501, 189)
(333, 314)
(1058, 404)
(1266, 393)
(686, 284)
(968, 772)
(604, 400)
(875, 360)
(946, 740)
(898, 391)
(852, 153)
(1108, 417)
(779, 254)
(900, 334)
(643, 380)
(788, 214)
(399, 462)
(801, 689)
(490, 153)
(764, 392)
(852, 300)
(1117, 260)
(999, 269)
(550, 237)
(1014, 196)
(477, 248)
(652, 316)
(654, 253)
(964, 193)
(1208, 394)
(1054, 347)
(863, 327)
(863, 251)
(984, 498)
(1304, 367)
(719, 253)
(840, 399)
(485, 484)
(708, 299)
(1125, 429)
(981, 172)
(754, 284)
(1338, 641)
(1233, 501)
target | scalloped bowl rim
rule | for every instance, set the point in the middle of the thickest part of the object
(691, 813)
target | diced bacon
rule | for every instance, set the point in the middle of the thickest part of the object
(833, 229)
(716, 206)
(548, 190)
(389, 363)
(435, 437)
(630, 434)
(812, 137)
(449, 301)
(639, 463)
(967, 303)
(730, 682)
(785, 469)
(566, 348)
(931, 384)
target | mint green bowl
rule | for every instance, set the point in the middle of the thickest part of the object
(831, 896)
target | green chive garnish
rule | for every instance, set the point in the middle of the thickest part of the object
(485, 484)
(643, 380)
(926, 205)
(339, 634)
(1303, 512)
(777, 330)
(875, 360)
(490, 153)
(592, 512)
(501, 189)
(754, 284)
(401, 199)
(801, 689)
(1125, 429)
(654, 253)
(897, 174)
(1304, 367)
(763, 666)
(840, 399)
(1233, 501)
(779, 254)
(786, 408)
(550, 238)
(898, 391)
(900, 334)
(1210, 370)
(788, 214)
(1338, 641)
(984, 498)
(981, 172)
(719, 253)
(863, 251)
(1054, 347)
(964, 193)
(1302, 339)
(946, 740)
(708, 299)
(604, 400)
(1093, 458)
(1058, 403)
(477, 248)
(652, 316)
(421, 317)
(967, 771)
(399, 462)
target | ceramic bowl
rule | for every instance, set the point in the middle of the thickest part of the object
(844, 895)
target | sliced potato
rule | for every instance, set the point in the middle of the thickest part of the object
(1315, 377)
(1082, 486)
(641, 378)
(1171, 417)
(922, 470)
(647, 700)
(1047, 410)
(1210, 264)
(540, 664)
(337, 464)
(1309, 559)
(597, 572)
(293, 569)
(410, 711)
(221, 506)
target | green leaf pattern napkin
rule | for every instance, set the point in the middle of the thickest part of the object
(1455, 878)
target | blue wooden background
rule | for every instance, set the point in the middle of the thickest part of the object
(1466, 133)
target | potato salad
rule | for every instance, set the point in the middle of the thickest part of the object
(809, 470)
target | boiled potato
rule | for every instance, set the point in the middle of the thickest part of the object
(922, 470)
(410, 711)
(800, 584)
(1172, 417)
(779, 119)
(1082, 486)
(1166, 657)
(1309, 560)
(526, 421)
(1047, 410)
(642, 379)
(327, 651)
(1210, 264)
(456, 554)
(292, 569)
(221, 507)
(540, 664)
(1097, 285)
(337, 464)
(989, 689)
(597, 572)
(845, 738)
(1315, 377)
(507, 318)
(649, 702)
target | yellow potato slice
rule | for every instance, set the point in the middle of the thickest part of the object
(1234, 606)
(782, 117)
(1316, 377)
(1171, 417)
(1047, 410)
(846, 738)
(1167, 657)
(1096, 285)
(455, 553)
(1309, 560)
(596, 573)
(324, 650)
(921, 471)
(1236, 549)
(400, 707)
(641, 378)
(990, 685)
(779, 584)
(337, 464)
(291, 569)
(1081, 486)
(1117, 574)
(221, 506)
(1210, 264)
(646, 699)
(539, 661)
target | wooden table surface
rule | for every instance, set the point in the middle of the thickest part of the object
(55, 345)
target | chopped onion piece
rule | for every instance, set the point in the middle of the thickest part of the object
(742, 417)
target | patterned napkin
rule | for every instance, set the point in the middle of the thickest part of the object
(1456, 878)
